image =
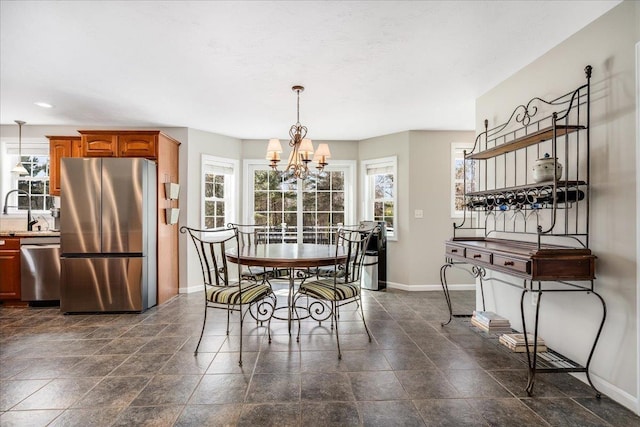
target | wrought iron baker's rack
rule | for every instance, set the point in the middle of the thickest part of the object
(503, 200)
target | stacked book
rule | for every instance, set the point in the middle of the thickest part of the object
(516, 343)
(490, 322)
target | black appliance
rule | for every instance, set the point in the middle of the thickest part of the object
(374, 276)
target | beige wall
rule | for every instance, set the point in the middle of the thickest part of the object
(430, 191)
(414, 260)
(197, 143)
(396, 144)
(569, 321)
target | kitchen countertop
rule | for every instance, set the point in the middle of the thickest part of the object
(24, 233)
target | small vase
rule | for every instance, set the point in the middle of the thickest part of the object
(543, 169)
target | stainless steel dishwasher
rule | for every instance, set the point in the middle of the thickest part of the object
(40, 268)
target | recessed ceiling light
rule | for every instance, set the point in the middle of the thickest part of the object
(43, 104)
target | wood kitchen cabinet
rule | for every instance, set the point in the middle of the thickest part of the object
(99, 145)
(10, 268)
(107, 143)
(138, 145)
(168, 149)
(59, 147)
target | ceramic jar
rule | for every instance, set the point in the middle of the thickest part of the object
(543, 169)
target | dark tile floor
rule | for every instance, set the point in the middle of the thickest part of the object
(139, 369)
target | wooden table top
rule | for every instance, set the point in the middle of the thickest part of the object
(292, 255)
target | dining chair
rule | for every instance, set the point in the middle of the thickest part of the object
(341, 286)
(332, 238)
(224, 286)
(252, 234)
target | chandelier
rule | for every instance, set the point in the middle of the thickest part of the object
(19, 167)
(302, 148)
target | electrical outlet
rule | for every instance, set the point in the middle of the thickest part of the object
(534, 298)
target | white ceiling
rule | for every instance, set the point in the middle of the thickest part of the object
(369, 67)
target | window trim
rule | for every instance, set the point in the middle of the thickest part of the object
(456, 148)
(367, 199)
(231, 204)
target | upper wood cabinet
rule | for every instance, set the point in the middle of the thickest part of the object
(99, 145)
(119, 143)
(102, 143)
(138, 145)
(59, 147)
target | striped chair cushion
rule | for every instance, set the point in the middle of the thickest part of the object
(231, 294)
(324, 289)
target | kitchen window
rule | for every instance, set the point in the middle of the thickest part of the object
(219, 187)
(380, 192)
(36, 183)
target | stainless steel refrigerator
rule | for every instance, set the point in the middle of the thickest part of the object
(108, 235)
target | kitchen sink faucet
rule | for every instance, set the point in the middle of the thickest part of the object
(30, 222)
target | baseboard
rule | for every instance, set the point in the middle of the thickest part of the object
(190, 289)
(614, 393)
(438, 287)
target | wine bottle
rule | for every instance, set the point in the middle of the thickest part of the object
(561, 197)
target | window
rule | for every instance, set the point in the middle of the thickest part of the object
(303, 210)
(35, 183)
(380, 192)
(458, 177)
(275, 198)
(323, 199)
(219, 184)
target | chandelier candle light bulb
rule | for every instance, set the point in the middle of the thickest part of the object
(273, 152)
(321, 156)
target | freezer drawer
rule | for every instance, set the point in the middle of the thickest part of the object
(40, 272)
(105, 285)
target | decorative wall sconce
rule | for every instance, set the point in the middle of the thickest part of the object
(171, 190)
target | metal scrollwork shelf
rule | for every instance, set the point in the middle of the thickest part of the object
(526, 212)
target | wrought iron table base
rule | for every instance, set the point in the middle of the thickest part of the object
(292, 312)
(532, 359)
(478, 272)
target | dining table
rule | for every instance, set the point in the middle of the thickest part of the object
(291, 256)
